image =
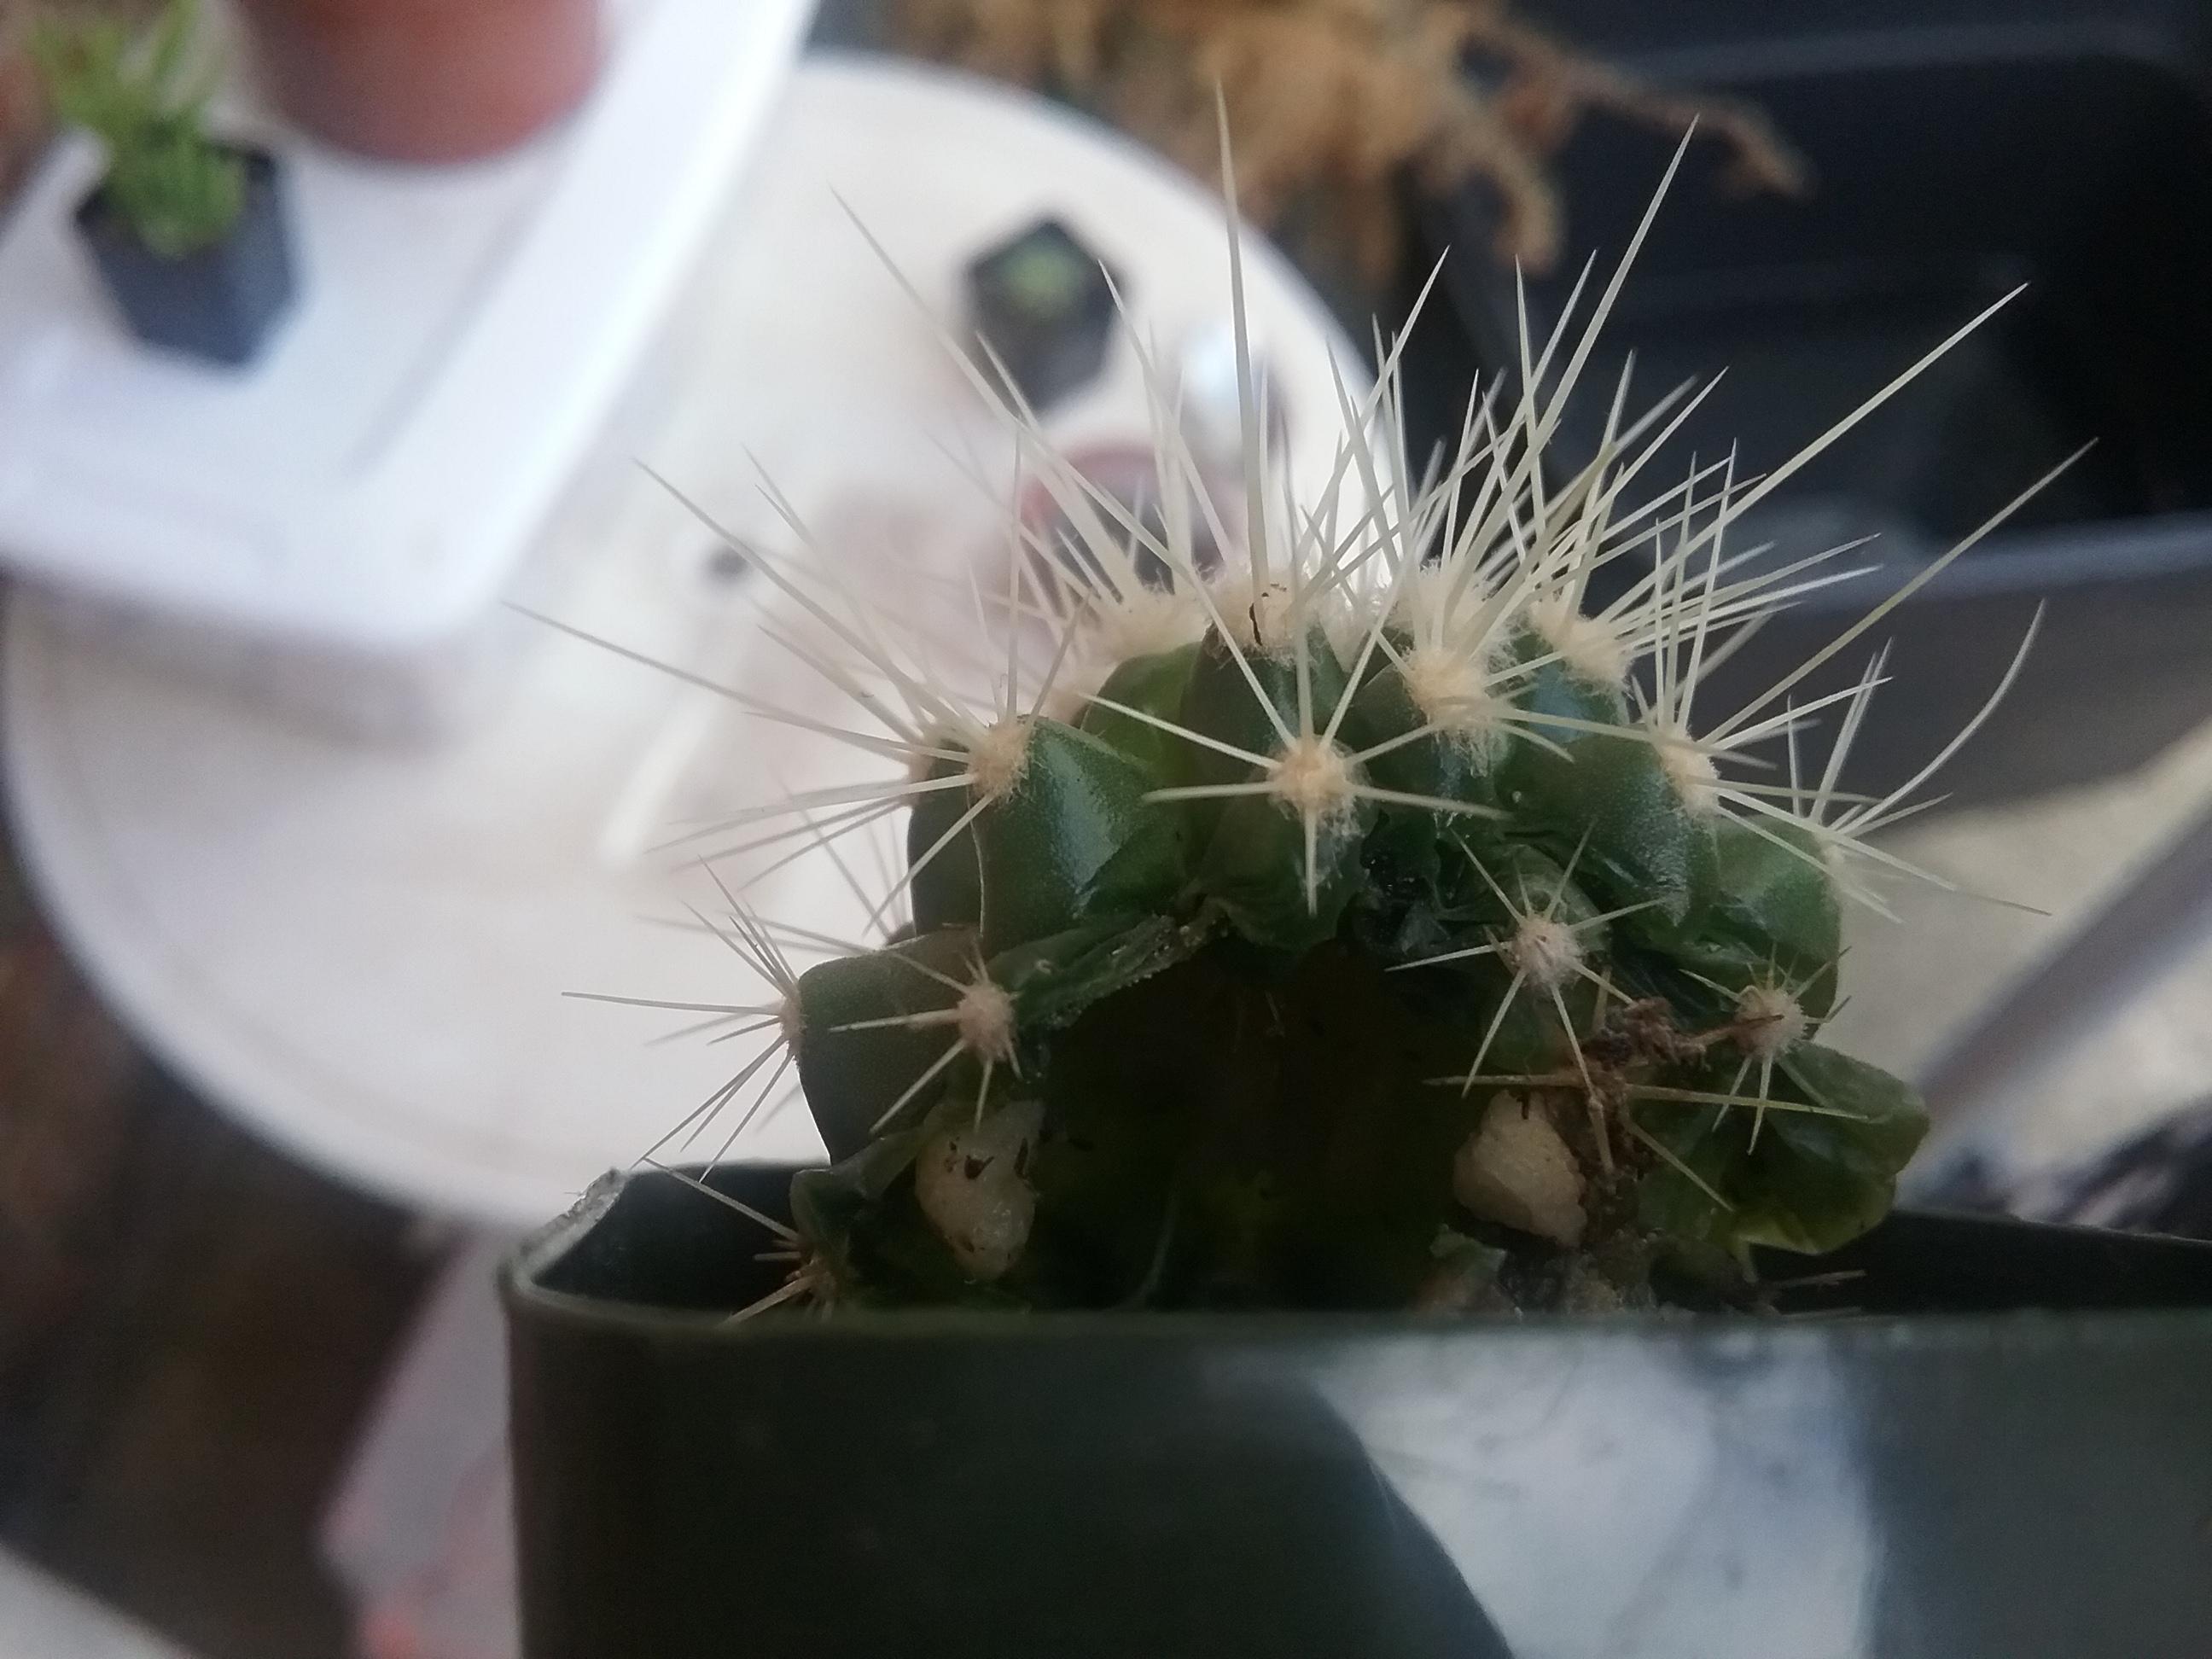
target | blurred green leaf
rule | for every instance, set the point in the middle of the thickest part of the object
(177, 188)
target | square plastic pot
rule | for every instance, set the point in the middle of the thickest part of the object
(220, 303)
(2007, 1451)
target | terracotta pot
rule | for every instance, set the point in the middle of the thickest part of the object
(427, 80)
(23, 126)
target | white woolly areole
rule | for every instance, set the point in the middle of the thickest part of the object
(1145, 622)
(1517, 1171)
(1696, 780)
(984, 1017)
(970, 1182)
(1590, 649)
(998, 758)
(1769, 1020)
(1546, 949)
(1259, 618)
(1452, 690)
(1313, 778)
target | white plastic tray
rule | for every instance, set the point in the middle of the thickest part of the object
(371, 484)
(362, 952)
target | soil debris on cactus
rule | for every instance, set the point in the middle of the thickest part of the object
(1392, 930)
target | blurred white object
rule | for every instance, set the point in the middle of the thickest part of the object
(1212, 400)
(420, 1531)
(350, 508)
(363, 951)
(42, 1618)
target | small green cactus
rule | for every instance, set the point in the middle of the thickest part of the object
(1367, 926)
(177, 189)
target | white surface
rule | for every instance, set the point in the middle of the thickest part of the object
(363, 952)
(420, 1531)
(43, 1619)
(460, 331)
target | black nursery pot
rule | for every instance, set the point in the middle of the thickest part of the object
(220, 303)
(1960, 149)
(2003, 1449)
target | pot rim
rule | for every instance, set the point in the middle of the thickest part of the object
(525, 1297)
(2030, 1330)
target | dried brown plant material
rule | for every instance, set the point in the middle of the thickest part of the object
(1331, 100)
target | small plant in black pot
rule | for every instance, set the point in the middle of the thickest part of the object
(189, 232)
(1317, 984)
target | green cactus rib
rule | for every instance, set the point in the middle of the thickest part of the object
(1371, 921)
(1245, 1064)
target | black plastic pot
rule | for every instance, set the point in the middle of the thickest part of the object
(1961, 148)
(1945, 1476)
(220, 303)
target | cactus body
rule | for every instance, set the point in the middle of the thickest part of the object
(1366, 920)
(1243, 1024)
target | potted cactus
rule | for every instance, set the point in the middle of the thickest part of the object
(1313, 994)
(189, 232)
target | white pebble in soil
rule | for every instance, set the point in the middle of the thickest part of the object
(968, 1181)
(1517, 1171)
